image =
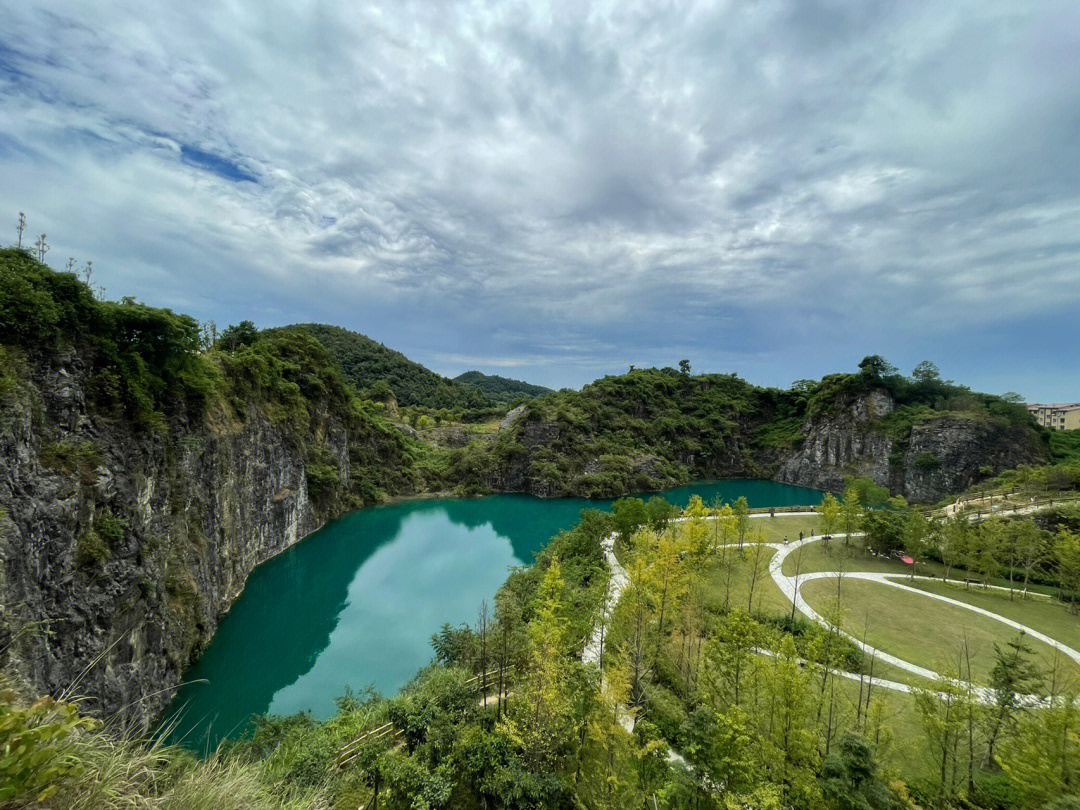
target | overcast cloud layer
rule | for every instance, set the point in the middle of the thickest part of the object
(555, 191)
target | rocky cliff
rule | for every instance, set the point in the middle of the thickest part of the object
(944, 453)
(923, 454)
(120, 550)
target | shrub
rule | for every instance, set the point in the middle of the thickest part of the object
(90, 548)
(926, 461)
(34, 742)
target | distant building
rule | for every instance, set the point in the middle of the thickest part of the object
(1059, 416)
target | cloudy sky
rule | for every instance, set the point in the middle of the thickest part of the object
(556, 191)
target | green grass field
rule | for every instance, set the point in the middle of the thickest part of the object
(924, 631)
(735, 590)
(766, 529)
(1044, 614)
(854, 557)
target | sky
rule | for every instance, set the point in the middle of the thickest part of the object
(556, 191)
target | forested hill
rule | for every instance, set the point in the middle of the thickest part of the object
(501, 389)
(919, 436)
(365, 363)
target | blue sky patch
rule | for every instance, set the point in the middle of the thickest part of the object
(222, 167)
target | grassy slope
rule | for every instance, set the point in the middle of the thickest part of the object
(1046, 615)
(900, 623)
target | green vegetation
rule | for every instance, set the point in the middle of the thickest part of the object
(899, 623)
(654, 428)
(1065, 447)
(146, 364)
(365, 362)
(1044, 614)
(507, 716)
(501, 390)
(154, 369)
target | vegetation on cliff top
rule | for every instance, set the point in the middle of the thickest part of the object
(160, 370)
(653, 428)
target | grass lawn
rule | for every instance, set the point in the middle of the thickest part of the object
(766, 529)
(854, 557)
(1046, 615)
(923, 631)
(735, 590)
(774, 529)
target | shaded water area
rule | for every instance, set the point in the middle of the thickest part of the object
(355, 604)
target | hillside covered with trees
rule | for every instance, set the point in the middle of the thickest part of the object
(649, 429)
(502, 390)
(365, 363)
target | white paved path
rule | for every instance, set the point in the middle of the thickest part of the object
(791, 587)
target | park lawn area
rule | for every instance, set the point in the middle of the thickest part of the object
(764, 529)
(774, 529)
(1044, 614)
(890, 672)
(854, 557)
(768, 598)
(924, 631)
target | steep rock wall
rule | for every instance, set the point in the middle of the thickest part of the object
(939, 456)
(120, 551)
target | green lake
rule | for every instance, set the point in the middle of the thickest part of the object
(355, 604)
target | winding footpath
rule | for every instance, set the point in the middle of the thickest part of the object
(791, 587)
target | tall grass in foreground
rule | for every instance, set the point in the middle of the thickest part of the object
(52, 758)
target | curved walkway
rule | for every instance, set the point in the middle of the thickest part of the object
(792, 589)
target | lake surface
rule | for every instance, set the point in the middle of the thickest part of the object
(355, 604)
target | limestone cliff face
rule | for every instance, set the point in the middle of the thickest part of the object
(121, 550)
(941, 455)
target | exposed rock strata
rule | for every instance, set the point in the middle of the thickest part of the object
(118, 615)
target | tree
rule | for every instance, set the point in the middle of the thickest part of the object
(1014, 674)
(629, 515)
(1042, 757)
(884, 530)
(874, 367)
(21, 227)
(1067, 554)
(850, 780)
(42, 248)
(926, 373)
(741, 508)
(239, 335)
(954, 542)
(1013, 398)
(830, 514)
(1029, 543)
(541, 721)
(660, 513)
(851, 512)
(985, 549)
(684, 366)
(916, 533)
(759, 568)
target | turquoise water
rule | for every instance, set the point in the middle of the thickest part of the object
(355, 604)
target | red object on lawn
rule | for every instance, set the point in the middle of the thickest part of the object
(908, 560)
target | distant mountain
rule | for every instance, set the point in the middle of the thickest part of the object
(364, 362)
(501, 389)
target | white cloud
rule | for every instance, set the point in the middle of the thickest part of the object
(465, 180)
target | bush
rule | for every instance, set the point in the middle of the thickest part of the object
(34, 742)
(926, 461)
